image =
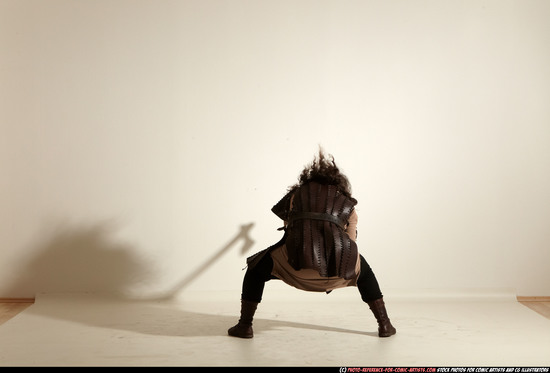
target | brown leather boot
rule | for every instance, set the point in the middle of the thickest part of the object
(244, 328)
(385, 328)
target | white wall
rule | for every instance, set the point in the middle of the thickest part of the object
(138, 137)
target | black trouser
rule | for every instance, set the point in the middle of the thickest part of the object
(256, 277)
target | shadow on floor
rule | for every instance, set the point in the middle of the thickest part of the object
(161, 318)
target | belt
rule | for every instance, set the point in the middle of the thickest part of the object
(317, 216)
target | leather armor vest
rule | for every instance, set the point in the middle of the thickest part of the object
(315, 232)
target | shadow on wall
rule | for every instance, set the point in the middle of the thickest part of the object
(243, 235)
(87, 259)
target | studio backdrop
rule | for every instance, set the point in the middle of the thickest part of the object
(143, 143)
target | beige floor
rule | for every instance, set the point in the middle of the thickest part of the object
(311, 330)
(11, 307)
